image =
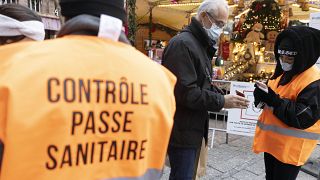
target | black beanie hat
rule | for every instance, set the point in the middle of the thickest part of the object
(72, 8)
(286, 47)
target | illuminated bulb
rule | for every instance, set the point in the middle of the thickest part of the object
(179, 4)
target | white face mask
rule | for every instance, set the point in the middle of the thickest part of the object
(214, 32)
(285, 66)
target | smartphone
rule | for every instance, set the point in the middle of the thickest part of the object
(240, 93)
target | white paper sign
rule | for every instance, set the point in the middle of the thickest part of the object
(243, 121)
(318, 62)
(315, 23)
(110, 27)
(315, 20)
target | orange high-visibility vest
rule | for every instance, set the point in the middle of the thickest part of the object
(84, 108)
(287, 144)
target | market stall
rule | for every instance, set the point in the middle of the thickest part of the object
(247, 53)
(246, 47)
(158, 22)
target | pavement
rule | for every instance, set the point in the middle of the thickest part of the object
(236, 161)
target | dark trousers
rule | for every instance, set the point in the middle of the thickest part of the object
(183, 162)
(277, 170)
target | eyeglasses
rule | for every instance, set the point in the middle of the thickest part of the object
(220, 24)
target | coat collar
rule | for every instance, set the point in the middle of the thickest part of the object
(197, 30)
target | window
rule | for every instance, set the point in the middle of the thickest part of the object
(8, 1)
(35, 5)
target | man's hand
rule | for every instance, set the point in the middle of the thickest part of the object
(235, 101)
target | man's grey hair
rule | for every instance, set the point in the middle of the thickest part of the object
(212, 7)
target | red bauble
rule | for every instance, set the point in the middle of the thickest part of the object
(258, 7)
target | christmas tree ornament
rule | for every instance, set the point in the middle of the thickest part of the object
(281, 2)
(305, 6)
(235, 11)
(290, 12)
(271, 38)
(247, 55)
(273, 6)
(241, 4)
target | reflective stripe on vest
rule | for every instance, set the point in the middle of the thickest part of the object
(289, 132)
(150, 174)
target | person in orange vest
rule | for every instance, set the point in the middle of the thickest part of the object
(18, 24)
(84, 106)
(289, 128)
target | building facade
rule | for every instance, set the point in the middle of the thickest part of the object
(47, 9)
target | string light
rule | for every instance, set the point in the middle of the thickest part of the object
(178, 4)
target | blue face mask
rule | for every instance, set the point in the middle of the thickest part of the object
(214, 32)
(286, 66)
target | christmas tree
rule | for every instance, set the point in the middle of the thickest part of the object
(265, 12)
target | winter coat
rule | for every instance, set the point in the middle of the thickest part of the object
(188, 56)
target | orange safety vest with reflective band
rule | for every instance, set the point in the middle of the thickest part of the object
(287, 144)
(84, 108)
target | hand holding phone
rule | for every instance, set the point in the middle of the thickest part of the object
(262, 86)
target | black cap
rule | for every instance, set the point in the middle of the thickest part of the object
(72, 8)
(286, 47)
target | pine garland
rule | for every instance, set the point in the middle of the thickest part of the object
(132, 23)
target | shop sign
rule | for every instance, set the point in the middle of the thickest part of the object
(315, 20)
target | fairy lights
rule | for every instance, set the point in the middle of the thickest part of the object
(178, 4)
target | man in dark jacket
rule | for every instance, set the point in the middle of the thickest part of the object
(189, 56)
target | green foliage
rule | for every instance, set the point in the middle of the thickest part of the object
(132, 23)
(265, 12)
